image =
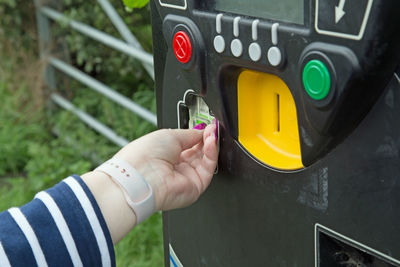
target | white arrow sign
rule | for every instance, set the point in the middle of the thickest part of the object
(339, 12)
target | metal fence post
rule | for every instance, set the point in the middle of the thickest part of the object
(124, 31)
(46, 13)
(44, 33)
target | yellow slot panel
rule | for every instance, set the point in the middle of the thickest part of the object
(268, 120)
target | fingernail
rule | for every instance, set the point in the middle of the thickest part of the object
(200, 126)
(216, 138)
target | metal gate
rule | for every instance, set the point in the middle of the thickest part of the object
(129, 46)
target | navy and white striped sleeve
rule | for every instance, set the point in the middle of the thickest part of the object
(62, 226)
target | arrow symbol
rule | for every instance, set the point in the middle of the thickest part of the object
(339, 12)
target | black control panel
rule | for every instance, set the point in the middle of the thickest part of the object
(347, 40)
(339, 60)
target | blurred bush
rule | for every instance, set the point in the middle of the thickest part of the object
(17, 23)
(92, 56)
(120, 72)
(40, 144)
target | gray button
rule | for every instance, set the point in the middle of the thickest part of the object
(218, 23)
(255, 51)
(254, 32)
(236, 26)
(219, 43)
(274, 33)
(274, 56)
(236, 48)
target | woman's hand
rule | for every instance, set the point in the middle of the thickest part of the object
(178, 164)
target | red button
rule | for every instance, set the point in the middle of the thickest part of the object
(182, 47)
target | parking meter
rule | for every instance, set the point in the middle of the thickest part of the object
(307, 95)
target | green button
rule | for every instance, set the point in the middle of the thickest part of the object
(316, 79)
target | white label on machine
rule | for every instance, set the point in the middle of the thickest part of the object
(173, 259)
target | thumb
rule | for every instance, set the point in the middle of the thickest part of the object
(188, 138)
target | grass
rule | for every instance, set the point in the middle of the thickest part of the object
(33, 158)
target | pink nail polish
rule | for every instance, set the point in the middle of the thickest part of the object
(200, 126)
(216, 130)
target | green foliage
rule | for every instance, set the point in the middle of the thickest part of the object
(98, 60)
(143, 246)
(20, 118)
(40, 144)
(15, 22)
(135, 3)
(31, 159)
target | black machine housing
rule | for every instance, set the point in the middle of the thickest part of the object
(343, 206)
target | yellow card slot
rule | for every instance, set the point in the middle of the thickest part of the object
(268, 126)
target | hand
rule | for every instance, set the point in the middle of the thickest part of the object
(178, 164)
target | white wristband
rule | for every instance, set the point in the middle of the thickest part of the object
(138, 193)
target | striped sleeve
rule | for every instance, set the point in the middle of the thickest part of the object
(62, 226)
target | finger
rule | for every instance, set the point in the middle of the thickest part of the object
(209, 161)
(191, 154)
(191, 177)
(210, 150)
(196, 151)
(188, 138)
(210, 130)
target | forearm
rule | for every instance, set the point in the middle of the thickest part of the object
(119, 217)
(78, 220)
(62, 225)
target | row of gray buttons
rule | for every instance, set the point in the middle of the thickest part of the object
(255, 52)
